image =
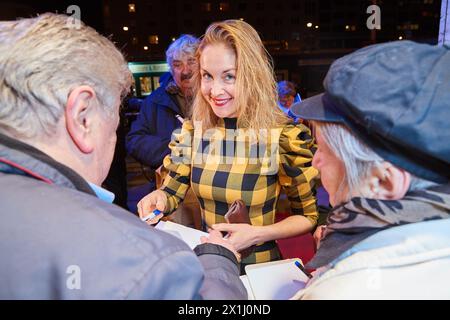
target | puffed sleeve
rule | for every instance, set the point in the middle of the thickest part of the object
(296, 174)
(178, 165)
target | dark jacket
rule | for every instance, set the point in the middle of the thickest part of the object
(59, 241)
(150, 134)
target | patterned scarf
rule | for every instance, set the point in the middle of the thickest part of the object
(360, 218)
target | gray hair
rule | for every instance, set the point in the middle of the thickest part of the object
(358, 159)
(42, 60)
(186, 44)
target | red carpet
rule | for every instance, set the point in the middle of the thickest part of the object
(302, 247)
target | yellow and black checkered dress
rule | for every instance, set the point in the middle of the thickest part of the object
(225, 165)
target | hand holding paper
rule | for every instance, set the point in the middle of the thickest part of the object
(215, 237)
(241, 235)
(240, 231)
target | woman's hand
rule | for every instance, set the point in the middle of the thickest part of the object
(215, 237)
(318, 235)
(240, 235)
(155, 200)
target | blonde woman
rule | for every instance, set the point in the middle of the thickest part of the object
(239, 146)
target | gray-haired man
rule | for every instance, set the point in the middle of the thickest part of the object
(161, 112)
(60, 91)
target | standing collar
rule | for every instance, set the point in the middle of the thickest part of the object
(102, 194)
(228, 123)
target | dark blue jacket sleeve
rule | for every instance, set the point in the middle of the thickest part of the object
(144, 142)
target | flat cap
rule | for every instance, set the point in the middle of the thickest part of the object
(396, 97)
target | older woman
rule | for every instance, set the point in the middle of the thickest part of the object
(243, 147)
(383, 137)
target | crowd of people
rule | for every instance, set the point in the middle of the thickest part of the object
(218, 130)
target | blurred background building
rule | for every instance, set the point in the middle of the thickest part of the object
(303, 36)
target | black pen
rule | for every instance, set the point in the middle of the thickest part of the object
(299, 265)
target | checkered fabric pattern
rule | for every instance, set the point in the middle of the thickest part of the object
(226, 165)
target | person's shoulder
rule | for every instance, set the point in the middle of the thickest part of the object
(157, 96)
(296, 131)
(72, 214)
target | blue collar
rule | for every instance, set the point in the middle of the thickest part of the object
(102, 194)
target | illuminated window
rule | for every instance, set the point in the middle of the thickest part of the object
(153, 39)
(131, 7)
(205, 6)
(156, 83)
(224, 6)
(145, 82)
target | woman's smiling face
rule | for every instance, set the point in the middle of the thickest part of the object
(218, 72)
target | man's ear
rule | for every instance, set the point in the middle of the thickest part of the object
(79, 110)
(389, 182)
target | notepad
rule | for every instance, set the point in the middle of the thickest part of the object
(278, 280)
(189, 235)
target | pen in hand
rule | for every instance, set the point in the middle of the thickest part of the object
(151, 215)
(299, 265)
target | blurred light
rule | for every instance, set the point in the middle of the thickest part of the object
(309, 24)
(317, 27)
(145, 48)
(347, 27)
(400, 38)
(131, 7)
(125, 28)
(173, 39)
(242, 19)
(153, 39)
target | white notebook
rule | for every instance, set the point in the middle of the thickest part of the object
(278, 280)
(189, 235)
